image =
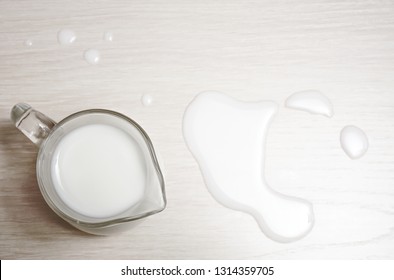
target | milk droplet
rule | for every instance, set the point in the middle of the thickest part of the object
(66, 37)
(108, 36)
(311, 101)
(147, 99)
(92, 56)
(354, 141)
(28, 43)
(227, 138)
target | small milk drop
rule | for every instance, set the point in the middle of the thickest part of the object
(108, 36)
(354, 141)
(147, 99)
(311, 101)
(66, 37)
(28, 43)
(92, 56)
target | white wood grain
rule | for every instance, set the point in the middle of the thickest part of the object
(172, 50)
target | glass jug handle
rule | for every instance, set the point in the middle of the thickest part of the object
(35, 125)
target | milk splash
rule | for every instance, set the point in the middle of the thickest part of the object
(92, 56)
(108, 36)
(227, 138)
(28, 43)
(66, 37)
(147, 100)
(354, 141)
(311, 101)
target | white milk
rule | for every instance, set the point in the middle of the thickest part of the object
(108, 36)
(227, 138)
(66, 37)
(99, 170)
(354, 141)
(92, 56)
(147, 100)
(28, 43)
(311, 101)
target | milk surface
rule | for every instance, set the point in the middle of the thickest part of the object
(99, 170)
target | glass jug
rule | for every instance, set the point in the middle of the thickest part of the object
(97, 169)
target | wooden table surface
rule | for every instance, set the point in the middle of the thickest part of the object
(251, 50)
